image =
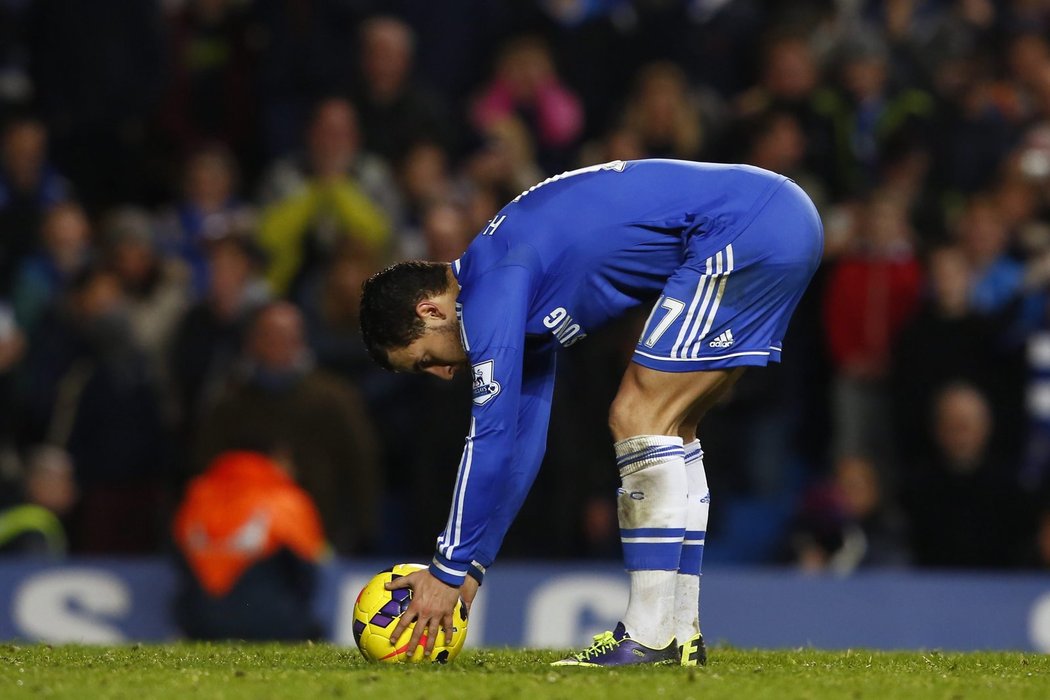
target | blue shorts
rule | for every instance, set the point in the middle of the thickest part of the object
(730, 307)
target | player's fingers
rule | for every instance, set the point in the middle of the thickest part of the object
(447, 629)
(417, 632)
(402, 624)
(432, 634)
(400, 582)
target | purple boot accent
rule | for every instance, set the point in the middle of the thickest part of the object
(616, 648)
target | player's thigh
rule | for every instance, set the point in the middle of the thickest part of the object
(687, 430)
(654, 402)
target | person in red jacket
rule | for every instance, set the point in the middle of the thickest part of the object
(250, 540)
(872, 292)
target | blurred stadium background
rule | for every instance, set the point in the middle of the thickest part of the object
(192, 191)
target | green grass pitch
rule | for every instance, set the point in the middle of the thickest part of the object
(313, 672)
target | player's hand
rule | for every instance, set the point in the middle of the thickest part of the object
(433, 602)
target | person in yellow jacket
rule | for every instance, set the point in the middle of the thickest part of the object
(335, 192)
(33, 527)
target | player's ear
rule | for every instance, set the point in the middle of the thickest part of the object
(428, 308)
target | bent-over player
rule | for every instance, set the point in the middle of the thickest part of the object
(723, 254)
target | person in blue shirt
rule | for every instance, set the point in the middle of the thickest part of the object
(721, 253)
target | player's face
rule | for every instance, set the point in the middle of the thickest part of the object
(438, 351)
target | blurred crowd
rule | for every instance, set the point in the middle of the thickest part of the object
(193, 191)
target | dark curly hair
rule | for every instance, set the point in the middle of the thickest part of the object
(388, 305)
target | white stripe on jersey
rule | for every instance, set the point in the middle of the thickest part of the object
(650, 540)
(703, 308)
(450, 538)
(447, 570)
(697, 344)
(462, 328)
(764, 353)
(692, 309)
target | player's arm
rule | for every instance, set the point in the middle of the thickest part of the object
(537, 388)
(487, 483)
(534, 407)
(494, 315)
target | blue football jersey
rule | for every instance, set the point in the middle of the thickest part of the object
(563, 258)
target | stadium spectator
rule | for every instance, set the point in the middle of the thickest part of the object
(863, 112)
(304, 50)
(997, 278)
(336, 192)
(526, 84)
(210, 79)
(847, 522)
(316, 418)
(208, 204)
(961, 484)
(208, 339)
(1025, 58)
(871, 294)
(904, 172)
(973, 126)
(249, 543)
(34, 527)
(505, 165)
(788, 82)
(88, 389)
(922, 369)
(789, 75)
(395, 112)
(29, 186)
(424, 175)
(667, 117)
(331, 314)
(66, 248)
(157, 289)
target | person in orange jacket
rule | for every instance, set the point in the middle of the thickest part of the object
(250, 541)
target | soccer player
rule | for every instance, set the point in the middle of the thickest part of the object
(723, 254)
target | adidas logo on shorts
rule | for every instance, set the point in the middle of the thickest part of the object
(722, 341)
